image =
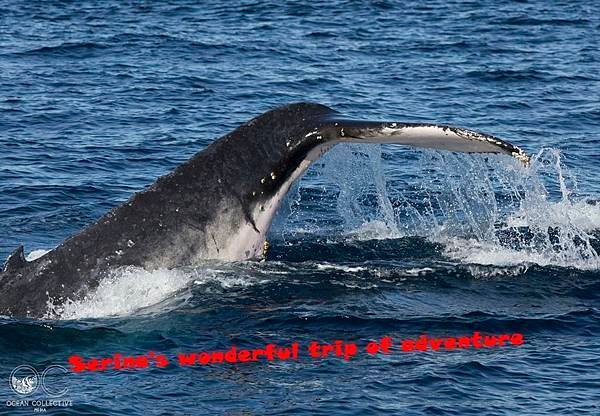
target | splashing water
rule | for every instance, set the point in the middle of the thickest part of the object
(498, 212)
(483, 209)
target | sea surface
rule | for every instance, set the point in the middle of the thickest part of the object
(99, 98)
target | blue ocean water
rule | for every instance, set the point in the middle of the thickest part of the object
(98, 99)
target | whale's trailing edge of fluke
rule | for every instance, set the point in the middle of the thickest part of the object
(217, 205)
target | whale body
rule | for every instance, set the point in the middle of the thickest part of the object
(217, 205)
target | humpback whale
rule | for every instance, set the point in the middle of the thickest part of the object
(217, 205)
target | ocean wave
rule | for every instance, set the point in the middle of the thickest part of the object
(65, 49)
(532, 21)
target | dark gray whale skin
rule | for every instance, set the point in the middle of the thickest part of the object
(207, 207)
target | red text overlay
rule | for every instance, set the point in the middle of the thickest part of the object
(314, 350)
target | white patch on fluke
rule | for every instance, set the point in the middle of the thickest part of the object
(36, 254)
(439, 138)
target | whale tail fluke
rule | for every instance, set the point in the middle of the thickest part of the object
(424, 135)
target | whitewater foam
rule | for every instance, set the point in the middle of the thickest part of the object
(127, 290)
(346, 269)
(132, 290)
